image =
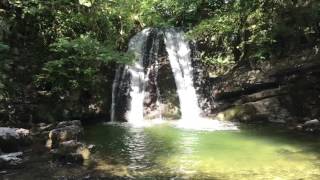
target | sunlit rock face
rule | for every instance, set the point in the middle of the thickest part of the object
(160, 82)
(202, 81)
(284, 91)
(161, 99)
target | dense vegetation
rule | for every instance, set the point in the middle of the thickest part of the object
(58, 57)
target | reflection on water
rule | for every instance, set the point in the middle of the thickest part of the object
(164, 151)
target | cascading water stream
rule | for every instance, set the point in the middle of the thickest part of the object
(137, 46)
(162, 57)
(144, 73)
(179, 56)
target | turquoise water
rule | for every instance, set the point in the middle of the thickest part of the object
(164, 151)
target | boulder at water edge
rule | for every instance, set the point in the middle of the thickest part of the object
(64, 145)
(65, 131)
(10, 160)
(11, 139)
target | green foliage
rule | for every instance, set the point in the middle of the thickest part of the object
(178, 12)
(61, 55)
(258, 30)
(222, 64)
(78, 64)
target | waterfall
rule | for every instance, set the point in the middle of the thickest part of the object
(137, 45)
(136, 87)
(179, 55)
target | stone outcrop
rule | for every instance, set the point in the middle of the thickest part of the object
(64, 144)
(282, 91)
(11, 139)
(10, 160)
(12, 142)
(64, 131)
(311, 125)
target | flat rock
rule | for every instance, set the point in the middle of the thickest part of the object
(314, 122)
(11, 156)
(311, 125)
(15, 133)
(66, 157)
(11, 139)
(45, 127)
(10, 160)
(70, 146)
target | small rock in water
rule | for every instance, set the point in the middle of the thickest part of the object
(312, 125)
(312, 122)
(91, 147)
(45, 127)
(11, 156)
(11, 159)
(299, 127)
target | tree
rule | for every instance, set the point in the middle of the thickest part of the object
(247, 31)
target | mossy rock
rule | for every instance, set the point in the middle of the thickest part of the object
(242, 113)
(171, 111)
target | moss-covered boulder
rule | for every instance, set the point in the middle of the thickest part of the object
(72, 152)
(64, 144)
(65, 131)
(269, 109)
(243, 113)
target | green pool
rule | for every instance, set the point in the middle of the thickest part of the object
(164, 151)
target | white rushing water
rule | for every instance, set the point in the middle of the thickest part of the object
(137, 84)
(180, 60)
(144, 72)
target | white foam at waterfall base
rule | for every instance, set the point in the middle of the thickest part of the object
(137, 46)
(202, 124)
(206, 124)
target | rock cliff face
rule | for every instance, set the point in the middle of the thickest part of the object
(282, 91)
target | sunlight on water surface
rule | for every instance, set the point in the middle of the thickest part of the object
(165, 151)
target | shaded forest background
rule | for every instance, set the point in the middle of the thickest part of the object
(57, 58)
